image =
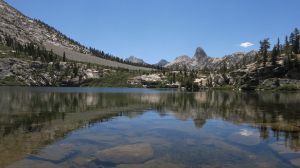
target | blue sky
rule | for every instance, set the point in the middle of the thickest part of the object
(156, 29)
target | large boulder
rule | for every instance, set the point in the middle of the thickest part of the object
(91, 74)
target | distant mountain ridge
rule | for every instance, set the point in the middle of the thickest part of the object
(135, 60)
(201, 61)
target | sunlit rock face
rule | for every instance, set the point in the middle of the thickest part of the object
(151, 79)
(180, 62)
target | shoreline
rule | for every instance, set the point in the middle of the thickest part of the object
(279, 89)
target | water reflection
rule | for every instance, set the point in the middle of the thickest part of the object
(32, 118)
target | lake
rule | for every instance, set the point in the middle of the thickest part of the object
(115, 127)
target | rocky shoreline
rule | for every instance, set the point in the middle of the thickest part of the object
(18, 72)
(217, 81)
(14, 71)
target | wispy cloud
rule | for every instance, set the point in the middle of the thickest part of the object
(246, 44)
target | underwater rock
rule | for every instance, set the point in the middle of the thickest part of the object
(296, 162)
(126, 154)
(282, 148)
(151, 164)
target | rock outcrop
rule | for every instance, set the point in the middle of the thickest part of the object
(148, 80)
(36, 73)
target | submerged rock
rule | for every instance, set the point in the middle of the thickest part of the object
(281, 148)
(286, 152)
(151, 164)
(296, 162)
(56, 154)
(126, 154)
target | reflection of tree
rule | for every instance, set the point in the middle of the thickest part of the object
(266, 111)
(264, 132)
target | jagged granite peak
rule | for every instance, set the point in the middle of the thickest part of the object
(200, 54)
(162, 63)
(135, 60)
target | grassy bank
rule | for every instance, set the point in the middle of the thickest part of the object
(10, 81)
(118, 79)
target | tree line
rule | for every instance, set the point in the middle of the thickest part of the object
(31, 49)
(94, 51)
(288, 52)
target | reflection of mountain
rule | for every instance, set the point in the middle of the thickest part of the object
(264, 108)
(277, 112)
(30, 119)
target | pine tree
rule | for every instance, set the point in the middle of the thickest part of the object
(297, 62)
(264, 46)
(292, 38)
(278, 46)
(224, 67)
(257, 59)
(173, 78)
(296, 41)
(64, 57)
(275, 52)
(287, 52)
(50, 56)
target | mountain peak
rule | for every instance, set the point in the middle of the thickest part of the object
(200, 54)
(162, 62)
(134, 59)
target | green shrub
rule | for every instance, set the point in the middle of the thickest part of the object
(10, 81)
